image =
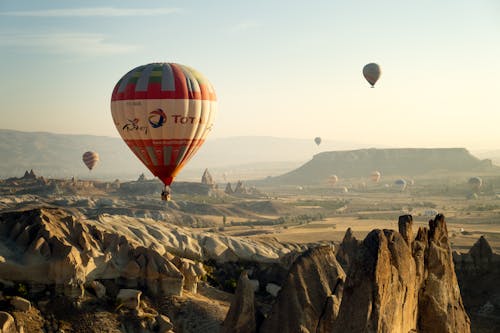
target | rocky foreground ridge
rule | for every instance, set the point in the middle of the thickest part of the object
(61, 272)
(395, 282)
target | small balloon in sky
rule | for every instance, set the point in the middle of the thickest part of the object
(90, 159)
(372, 72)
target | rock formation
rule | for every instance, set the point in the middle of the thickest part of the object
(207, 178)
(396, 285)
(478, 273)
(55, 247)
(229, 189)
(440, 307)
(347, 250)
(240, 188)
(310, 295)
(379, 293)
(241, 315)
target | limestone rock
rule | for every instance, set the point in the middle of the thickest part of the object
(396, 285)
(273, 289)
(228, 189)
(303, 304)
(7, 324)
(207, 178)
(20, 303)
(347, 250)
(241, 315)
(405, 224)
(129, 298)
(164, 324)
(481, 254)
(440, 305)
(379, 293)
(99, 288)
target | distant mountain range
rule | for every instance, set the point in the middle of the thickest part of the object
(59, 155)
(228, 159)
(403, 162)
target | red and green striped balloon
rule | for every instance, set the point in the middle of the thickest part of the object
(163, 112)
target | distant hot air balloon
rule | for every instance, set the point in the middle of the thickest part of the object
(317, 140)
(90, 159)
(475, 183)
(401, 183)
(164, 112)
(371, 72)
(375, 176)
(333, 179)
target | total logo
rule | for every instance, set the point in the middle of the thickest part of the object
(157, 118)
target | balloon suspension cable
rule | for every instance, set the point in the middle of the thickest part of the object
(166, 193)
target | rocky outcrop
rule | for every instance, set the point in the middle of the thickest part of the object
(228, 189)
(399, 285)
(380, 292)
(241, 315)
(310, 296)
(478, 273)
(7, 324)
(207, 178)
(54, 247)
(347, 250)
(440, 306)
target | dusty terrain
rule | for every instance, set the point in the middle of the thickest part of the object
(185, 257)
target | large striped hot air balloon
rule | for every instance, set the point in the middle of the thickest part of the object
(371, 72)
(90, 159)
(317, 140)
(163, 112)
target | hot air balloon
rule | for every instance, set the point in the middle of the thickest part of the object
(333, 179)
(317, 140)
(90, 159)
(371, 72)
(375, 176)
(475, 183)
(401, 183)
(164, 112)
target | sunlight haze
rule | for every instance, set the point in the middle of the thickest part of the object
(280, 68)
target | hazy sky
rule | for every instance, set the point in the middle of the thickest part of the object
(280, 68)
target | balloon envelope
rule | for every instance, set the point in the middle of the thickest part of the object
(333, 179)
(401, 183)
(475, 182)
(371, 72)
(317, 140)
(375, 176)
(163, 112)
(90, 159)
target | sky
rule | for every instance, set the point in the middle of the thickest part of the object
(280, 68)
